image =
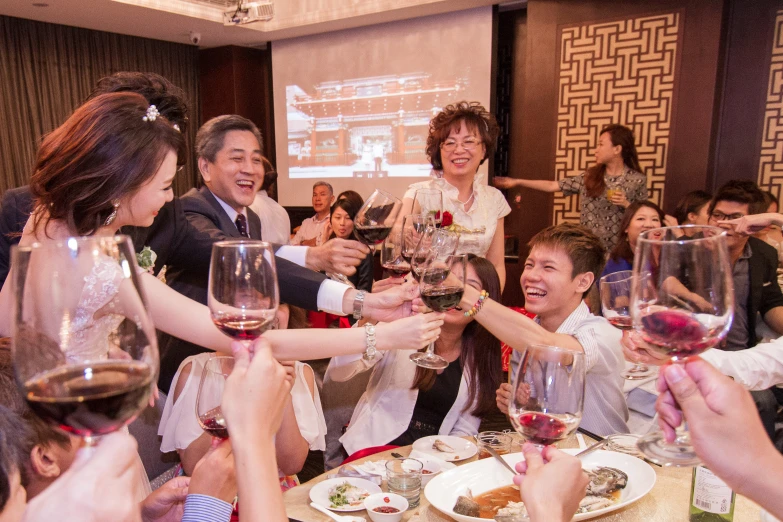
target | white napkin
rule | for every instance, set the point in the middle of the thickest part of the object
(444, 466)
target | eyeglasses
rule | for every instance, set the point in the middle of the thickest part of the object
(717, 215)
(469, 144)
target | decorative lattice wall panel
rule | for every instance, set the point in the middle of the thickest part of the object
(771, 158)
(622, 71)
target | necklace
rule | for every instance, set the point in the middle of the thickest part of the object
(470, 198)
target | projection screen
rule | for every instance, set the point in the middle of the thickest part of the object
(352, 107)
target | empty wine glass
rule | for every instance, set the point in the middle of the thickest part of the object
(615, 289)
(548, 394)
(84, 347)
(682, 303)
(243, 295)
(439, 292)
(210, 395)
(391, 256)
(375, 219)
(429, 202)
(413, 226)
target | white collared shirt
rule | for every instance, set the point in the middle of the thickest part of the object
(232, 214)
(311, 228)
(275, 223)
(756, 368)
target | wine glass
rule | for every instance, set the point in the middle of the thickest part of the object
(548, 394)
(440, 292)
(243, 294)
(391, 256)
(429, 202)
(375, 219)
(615, 289)
(210, 395)
(413, 226)
(84, 348)
(682, 303)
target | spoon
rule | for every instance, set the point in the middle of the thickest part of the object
(338, 518)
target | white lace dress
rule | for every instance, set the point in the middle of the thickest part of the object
(92, 329)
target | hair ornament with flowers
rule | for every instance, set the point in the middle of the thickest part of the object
(152, 114)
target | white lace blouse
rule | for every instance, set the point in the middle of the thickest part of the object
(479, 223)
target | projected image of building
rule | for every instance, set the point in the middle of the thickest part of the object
(366, 127)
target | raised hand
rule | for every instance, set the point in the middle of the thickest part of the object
(215, 474)
(551, 483)
(167, 503)
(503, 397)
(635, 350)
(753, 223)
(503, 182)
(393, 303)
(409, 333)
(336, 256)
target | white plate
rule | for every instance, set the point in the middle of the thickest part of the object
(463, 449)
(488, 474)
(320, 492)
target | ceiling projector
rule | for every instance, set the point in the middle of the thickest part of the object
(249, 12)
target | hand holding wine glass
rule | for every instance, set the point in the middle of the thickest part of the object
(682, 303)
(84, 345)
(547, 396)
(391, 256)
(374, 221)
(243, 294)
(615, 289)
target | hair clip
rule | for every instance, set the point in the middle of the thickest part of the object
(176, 127)
(152, 114)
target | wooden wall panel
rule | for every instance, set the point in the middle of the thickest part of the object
(614, 71)
(770, 173)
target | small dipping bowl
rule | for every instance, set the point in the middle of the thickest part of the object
(430, 469)
(380, 499)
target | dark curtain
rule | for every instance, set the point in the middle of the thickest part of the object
(47, 70)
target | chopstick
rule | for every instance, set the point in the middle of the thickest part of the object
(590, 434)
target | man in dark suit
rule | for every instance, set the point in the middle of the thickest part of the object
(754, 271)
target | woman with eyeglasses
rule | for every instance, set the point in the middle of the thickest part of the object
(461, 137)
(605, 189)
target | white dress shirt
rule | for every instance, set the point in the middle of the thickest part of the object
(311, 228)
(275, 223)
(756, 368)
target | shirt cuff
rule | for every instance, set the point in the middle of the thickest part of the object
(330, 296)
(295, 254)
(199, 508)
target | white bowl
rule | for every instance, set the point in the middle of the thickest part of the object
(429, 465)
(380, 499)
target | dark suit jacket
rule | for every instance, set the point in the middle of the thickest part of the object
(764, 292)
(207, 219)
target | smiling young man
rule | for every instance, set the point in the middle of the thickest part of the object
(310, 233)
(564, 262)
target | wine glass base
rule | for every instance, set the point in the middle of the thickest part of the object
(429, 360)
(657, 450)
(633, 374)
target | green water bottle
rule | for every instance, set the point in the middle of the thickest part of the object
(711, 499)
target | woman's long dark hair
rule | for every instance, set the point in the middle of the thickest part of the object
(620, 135)
(622, 250)
(480, 356)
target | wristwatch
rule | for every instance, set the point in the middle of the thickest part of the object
(370, 351)
(358, 304)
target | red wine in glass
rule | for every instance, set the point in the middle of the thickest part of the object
(544, 429)
(372, 234)
(94, 398)
(397, 269)
(214, 423)
(678, 333)
(243, 328)
(622, 322)
(442, 298)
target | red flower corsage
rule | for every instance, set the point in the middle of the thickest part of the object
(447, 220)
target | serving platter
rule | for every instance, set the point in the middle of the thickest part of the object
(488, 474)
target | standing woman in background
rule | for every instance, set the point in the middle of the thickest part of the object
(461, 137)
(605, 189)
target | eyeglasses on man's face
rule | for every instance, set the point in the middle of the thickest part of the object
(717, 215)
(468, 144)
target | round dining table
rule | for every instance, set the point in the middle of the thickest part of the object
(668, 500)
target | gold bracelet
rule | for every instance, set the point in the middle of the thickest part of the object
(476, 307)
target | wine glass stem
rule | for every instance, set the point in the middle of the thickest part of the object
(431, 348)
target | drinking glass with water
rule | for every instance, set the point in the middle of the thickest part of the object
(404, 478)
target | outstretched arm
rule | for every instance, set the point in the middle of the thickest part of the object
(543, 185)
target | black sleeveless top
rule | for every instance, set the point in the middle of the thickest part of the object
(433, 405)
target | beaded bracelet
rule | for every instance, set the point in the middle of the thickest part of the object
(476, 307)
